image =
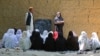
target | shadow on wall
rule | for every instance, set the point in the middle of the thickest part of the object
(43, 24)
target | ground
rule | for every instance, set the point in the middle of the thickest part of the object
(13, 52)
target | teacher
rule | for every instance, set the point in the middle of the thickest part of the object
(59, 22)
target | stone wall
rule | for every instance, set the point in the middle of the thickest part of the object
(78, 15)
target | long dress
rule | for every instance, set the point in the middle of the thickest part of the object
(59, 26)
(30, 26)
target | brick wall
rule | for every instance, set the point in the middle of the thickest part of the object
(78, 15)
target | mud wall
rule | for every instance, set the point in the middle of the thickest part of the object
(78, 15)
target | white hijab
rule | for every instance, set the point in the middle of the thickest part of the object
(24, 42)
(37, 30)
(18, 34)
(44, 35)
(95, 40)
(50, 32)
(9, 39)
(83, 41)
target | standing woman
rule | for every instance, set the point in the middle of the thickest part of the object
(29, 19)
(58, 21)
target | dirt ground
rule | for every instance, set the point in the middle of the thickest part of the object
(13, 52)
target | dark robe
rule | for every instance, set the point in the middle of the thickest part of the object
(31, 39)
(37, 41)
(60, 43)
(72, 42)
(49, 43)
(59, 27)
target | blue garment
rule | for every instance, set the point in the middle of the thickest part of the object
(19, 34)
(9, 39)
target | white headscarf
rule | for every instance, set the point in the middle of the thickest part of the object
(24, 42)
(18, 34)
(83, 41)
(44, 35)
(95, 40)
(37, 30)
(9, 39)
(50, 32)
